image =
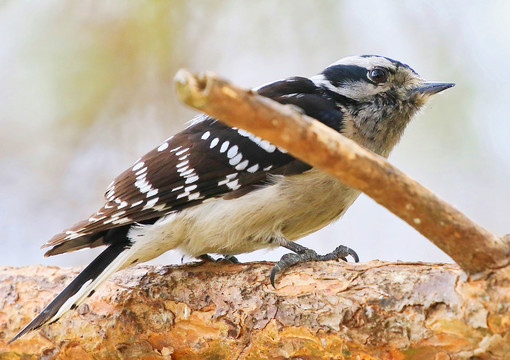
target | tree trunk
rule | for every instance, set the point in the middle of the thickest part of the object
(333, 310)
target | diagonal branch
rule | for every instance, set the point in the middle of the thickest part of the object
(470, 245)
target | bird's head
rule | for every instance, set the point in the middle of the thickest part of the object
(378, 96)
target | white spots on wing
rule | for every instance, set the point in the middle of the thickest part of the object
(138, 166)
(93, 219)
(228, 179)
(110, 193)
(190, 188)
(121, 221)
(159, 207)
(152, 193)
(150, 204)
(234, 184)
(236, 159)
(147, 188)
(141, 171)
(119, 213)
(205, 135)
(282, 150)
(72, 234)
(253, 168)
(224, 146)
(194, 196)
(214, 142)
(242, 165)
(232, 151)
(175, 149)
(122, 205)
(143, 185)
(136, 203)
(163, 146)
(267, 168)
(191, 179)
(264, 144)
(183, 157)
(187, 193)
(180, 152)
(187, 172)
(177, 188)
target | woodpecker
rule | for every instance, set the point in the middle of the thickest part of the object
(215, 189)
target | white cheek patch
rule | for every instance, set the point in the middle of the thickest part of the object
(358, 90)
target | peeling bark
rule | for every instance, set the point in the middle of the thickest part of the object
(375, 310)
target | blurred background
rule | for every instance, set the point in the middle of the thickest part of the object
(86, 88)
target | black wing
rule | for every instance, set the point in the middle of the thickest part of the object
(208, 159)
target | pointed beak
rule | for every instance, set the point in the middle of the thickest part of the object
(430, 88)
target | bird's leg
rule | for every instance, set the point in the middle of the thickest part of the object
(304, 254)
(208, 258)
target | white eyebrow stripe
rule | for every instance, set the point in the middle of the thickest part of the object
(321, 81)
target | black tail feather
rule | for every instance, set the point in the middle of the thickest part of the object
(88, 275)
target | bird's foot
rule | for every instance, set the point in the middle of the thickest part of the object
(229, 258)
(302, 254)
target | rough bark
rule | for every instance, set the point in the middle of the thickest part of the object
(471, 246)
(331, 310)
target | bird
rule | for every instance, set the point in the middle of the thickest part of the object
(215, 189)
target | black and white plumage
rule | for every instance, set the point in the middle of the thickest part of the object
(216, 189)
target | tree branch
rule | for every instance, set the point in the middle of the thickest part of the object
(330, 310)
(470, 245)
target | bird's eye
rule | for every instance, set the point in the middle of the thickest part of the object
(378, 75)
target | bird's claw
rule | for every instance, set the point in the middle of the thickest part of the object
(230, 258)
(208, 258)
(288, 260)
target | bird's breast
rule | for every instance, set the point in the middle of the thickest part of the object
(292, 207)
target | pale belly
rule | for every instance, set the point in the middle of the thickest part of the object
(294, 207)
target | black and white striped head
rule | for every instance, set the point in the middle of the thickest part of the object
(361, 78)
(378, 95)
